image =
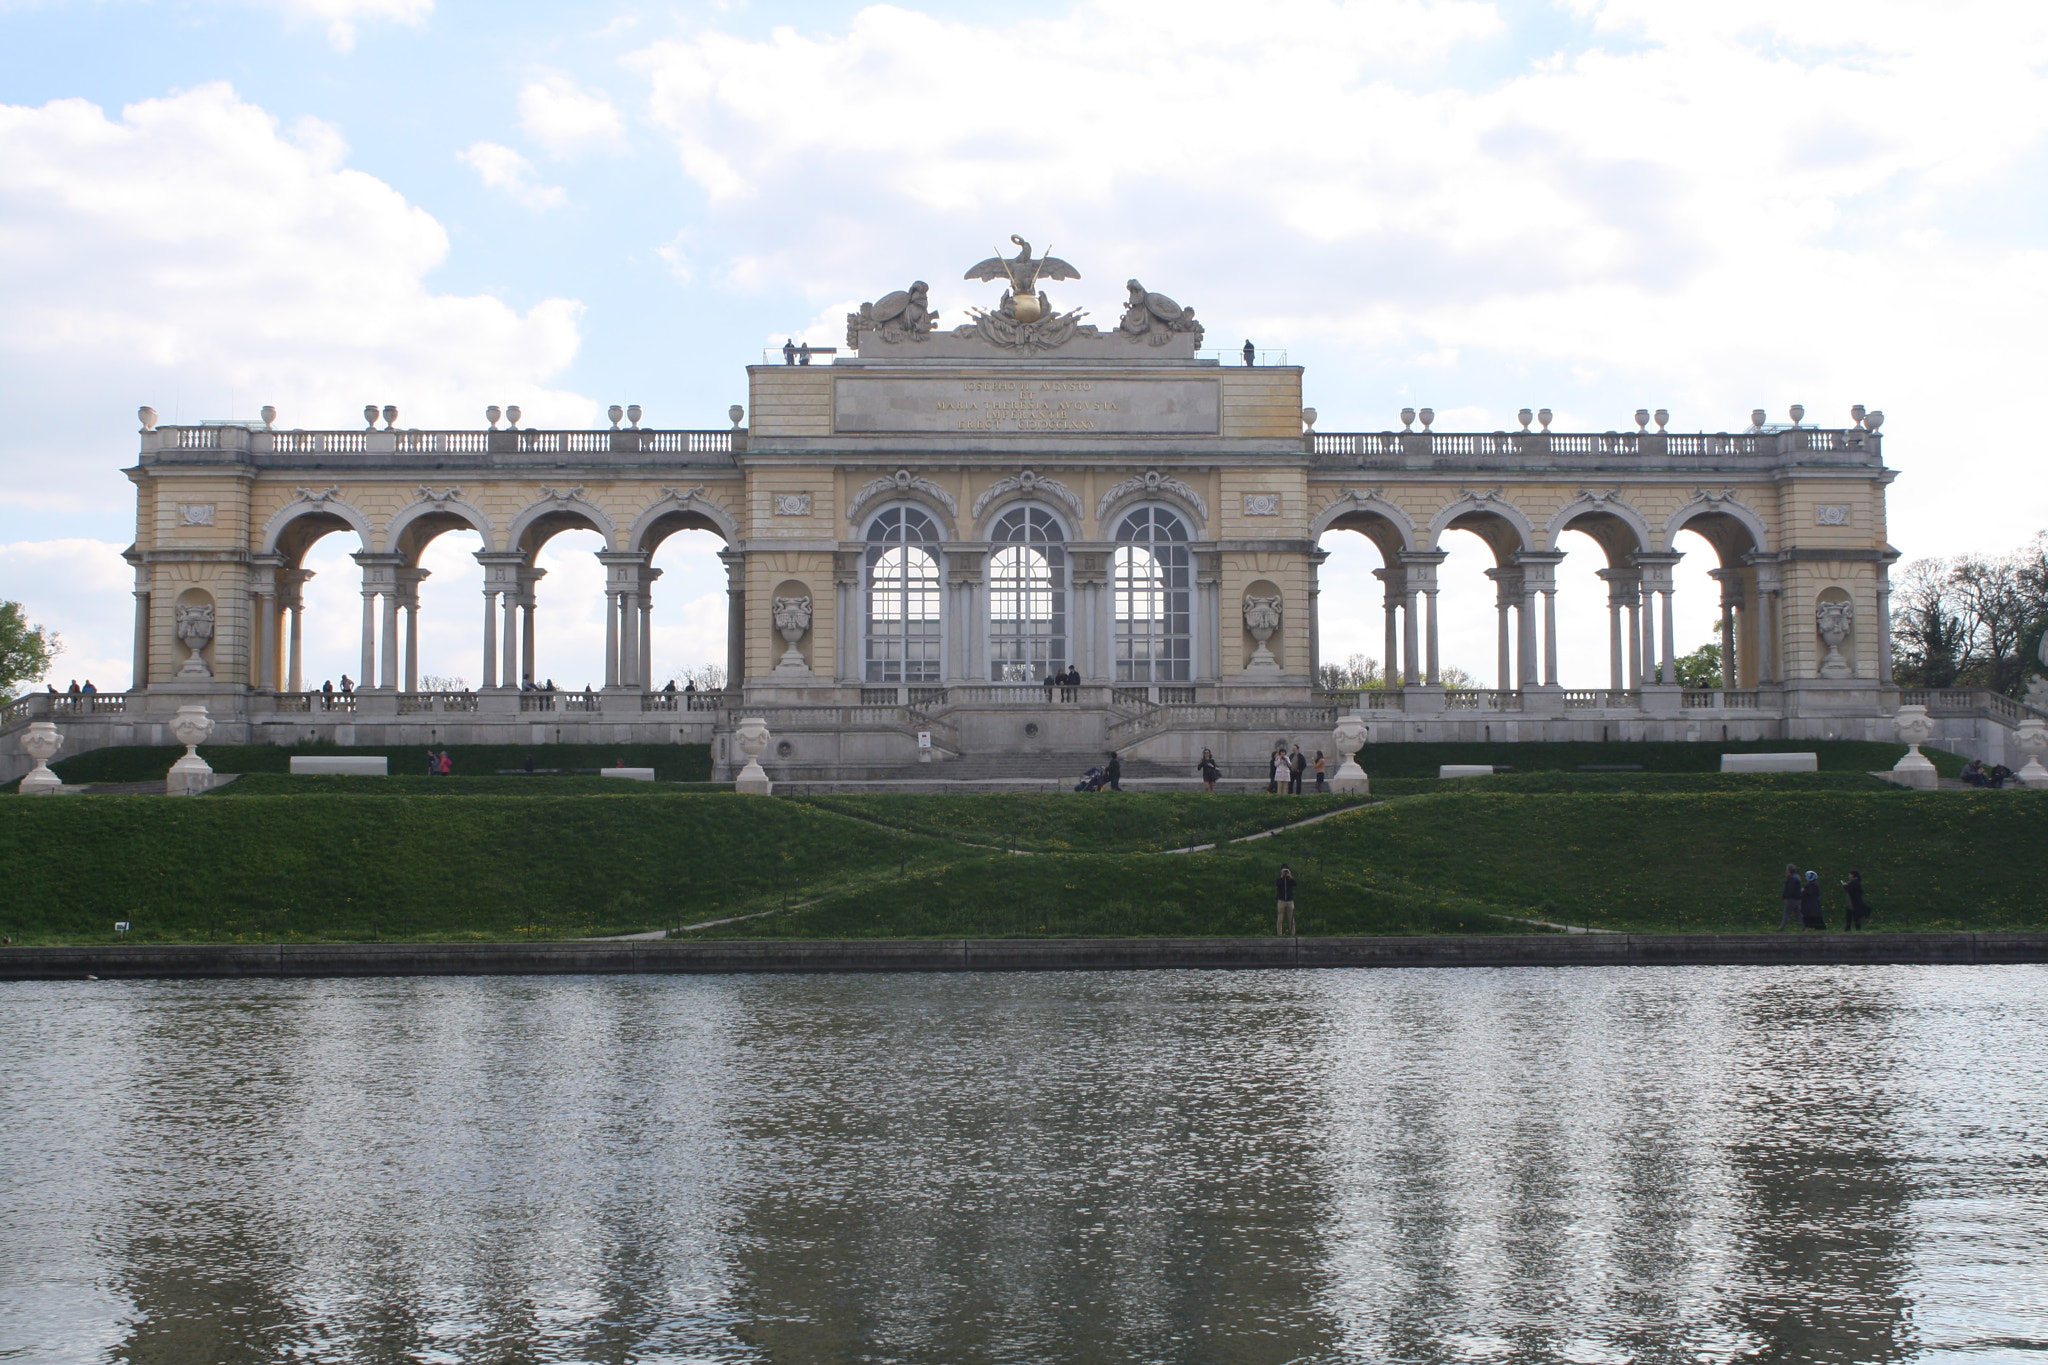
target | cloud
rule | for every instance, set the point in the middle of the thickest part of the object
(341, 16)
(567, 120)
(501, 168)
(193, 256)
(83, 590)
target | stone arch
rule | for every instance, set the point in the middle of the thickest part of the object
(409, 531)
(1385, 524)
(1152, 487)
(1616, 527)
(1732, 528)
(1001, 507)
(324, 512)
(1503, 526)
(561, 510)
(689, 509)
(904, 486)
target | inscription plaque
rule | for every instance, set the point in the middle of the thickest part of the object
(1038, 405)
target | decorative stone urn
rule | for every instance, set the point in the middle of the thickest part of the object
(41, 743)
(195, 629)
(1262, 618)
(1832, 620)
(1349, 737)
(1915, 729)
(2031, 739)
(792, 620)
(751, 734)
(190, 775)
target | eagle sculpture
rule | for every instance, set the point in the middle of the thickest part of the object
(1020, 270)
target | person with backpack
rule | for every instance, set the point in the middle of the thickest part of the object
(1859, 913)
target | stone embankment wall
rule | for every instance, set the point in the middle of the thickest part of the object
(946, 955)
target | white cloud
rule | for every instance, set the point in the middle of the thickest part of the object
(566, 119)
(501, 168)
(341, 16)
(191, 256)
(83, 590)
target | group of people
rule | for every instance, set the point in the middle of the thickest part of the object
(442, 764)
(1975, 774)
(75, 690)
(1802, 900)
(1291, 766)
(1067, 680)
(1108, 775)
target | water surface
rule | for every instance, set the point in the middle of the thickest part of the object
(1585, 1165)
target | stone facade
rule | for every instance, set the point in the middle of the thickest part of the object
(961, 511)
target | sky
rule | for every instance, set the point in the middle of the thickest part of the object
(1591, 205)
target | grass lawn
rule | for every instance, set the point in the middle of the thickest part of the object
(271, 857)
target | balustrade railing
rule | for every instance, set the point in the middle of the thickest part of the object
(309, 703)
(85, 703)
(686, 701)
(1601, 699)
(437, 703)
(472, 442)
(1704, 699)
(1366, 445)
(1482, 699)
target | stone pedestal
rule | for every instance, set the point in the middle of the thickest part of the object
(2031, 740)
(41, 743)
(190, 775)
(1914, 769)
(1349, 737)
(751, 735)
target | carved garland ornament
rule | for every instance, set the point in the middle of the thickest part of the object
(1029, 484)
(1151, 481)
(903, 481)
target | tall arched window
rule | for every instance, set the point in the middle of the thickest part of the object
(1027, 597)
(903, 598)
(1150, 582)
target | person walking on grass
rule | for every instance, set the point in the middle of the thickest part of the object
(1208, 771)
(1859, 913)
(1283, 919)
(1793, 887)
(1297, 764)
(1810, 916)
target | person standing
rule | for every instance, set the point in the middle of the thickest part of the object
(1115, 772)
(1208, 770)
(1791, 894)
(1297, 765)
(1278, 774)
(1320, 786)
(1810, 916)
(1283, 918)
(433, 763)
(1859, 913)
(447, 764)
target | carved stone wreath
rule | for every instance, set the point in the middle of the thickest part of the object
(903, 481)
(1029, 484)
(1151, 481)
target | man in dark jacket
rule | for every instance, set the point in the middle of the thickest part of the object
(1791, 893)
(1283, 921)
(1858, 911)
(1297, 764)
(1115, 773)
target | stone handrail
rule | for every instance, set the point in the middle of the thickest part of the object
(1719, 699)
(1211, 714)
(1360, 698)
(1968, 701)
(524, 440)
(688, 701)
(1601, 699)
(1338, 447)
(1481, 699)
(425, 703)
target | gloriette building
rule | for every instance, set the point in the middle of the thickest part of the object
(924, 526)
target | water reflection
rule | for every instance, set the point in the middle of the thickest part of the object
(1537, 1165)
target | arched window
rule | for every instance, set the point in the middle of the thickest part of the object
(1150, 583)
(903, 598)
(1027, 597)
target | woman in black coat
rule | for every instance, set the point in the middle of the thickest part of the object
(1809, 903)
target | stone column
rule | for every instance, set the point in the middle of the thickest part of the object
(1660, 659)
(1539, 580)
(140, 670)
(735, 617)
(293, 594)
(1391, 581)
(1766, 616)
(1526, 676)
(1667, 670)
(1507, 585)
(369, 668)
(1731, 599)
(1624, 594)
(1315, 618)
(1550, 636)
(846, 583)
(1208, 623)
(1419, 572)
(1884, 625)
(611, 637)
(387, 680)
(647, 577)
(509, 676)
(490, 671)
(409, 579)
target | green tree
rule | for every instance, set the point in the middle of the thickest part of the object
(25, 650)
(1357, 673)
(1701, 669)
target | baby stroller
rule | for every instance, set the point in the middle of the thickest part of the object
(1094, 780)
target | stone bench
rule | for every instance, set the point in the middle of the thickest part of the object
(1770, 763)
(1465, 770)
(346, 765)
(630, 774)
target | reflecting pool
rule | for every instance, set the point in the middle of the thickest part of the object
(1585, 1165)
